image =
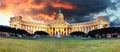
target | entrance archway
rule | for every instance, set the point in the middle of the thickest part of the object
(105, 25)
(41, 33)
(77, 34)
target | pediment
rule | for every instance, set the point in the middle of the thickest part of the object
(59, 24)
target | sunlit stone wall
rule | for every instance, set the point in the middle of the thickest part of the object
(63, 27)
(59, 25)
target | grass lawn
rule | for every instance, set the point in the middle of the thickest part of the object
(59, 45)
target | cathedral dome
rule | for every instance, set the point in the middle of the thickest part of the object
(60, 16)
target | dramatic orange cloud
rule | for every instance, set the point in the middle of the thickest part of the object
(30, 9)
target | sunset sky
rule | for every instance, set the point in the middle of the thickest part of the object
(73, 10)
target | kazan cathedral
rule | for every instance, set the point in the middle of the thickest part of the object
(59, 25)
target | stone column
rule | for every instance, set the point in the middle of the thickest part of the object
(85, 29)
(30, 28)
(36, 28)
(52, 30)
(69, 31)
(66, 32)
(39, 28)
(55, 32)
(93, 27)
(19, 25)
(88, 28)
(27, 27)
(22, 26)
(81, 28)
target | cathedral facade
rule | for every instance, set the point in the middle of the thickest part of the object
(59, 25)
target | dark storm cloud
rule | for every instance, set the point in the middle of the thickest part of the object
(37, 2)
(85, 7)
(82, 8)
(47, 10)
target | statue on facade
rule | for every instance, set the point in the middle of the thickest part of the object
(58, 34)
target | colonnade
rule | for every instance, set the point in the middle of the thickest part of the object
(85, 29)
(31, 28)
(63, 30)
